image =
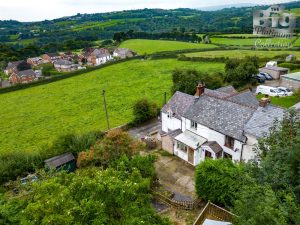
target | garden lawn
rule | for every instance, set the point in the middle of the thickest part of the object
(35, 117)
(142, 46)
(241, 53)
(285, 102)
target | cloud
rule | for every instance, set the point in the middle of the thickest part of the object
(33, 10)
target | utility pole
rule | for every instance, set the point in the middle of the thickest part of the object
(105, 108)
(165, 97)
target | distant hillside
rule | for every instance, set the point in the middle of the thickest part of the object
(100, 26)
(220, 7)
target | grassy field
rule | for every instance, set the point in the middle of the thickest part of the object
(142, 46)
(244, 41)
(34, 117)
(241, 53)
(285, 102)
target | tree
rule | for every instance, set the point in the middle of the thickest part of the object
(90, 196)
(219, 181)
(144, 110)
(23, 66)
(258, 204)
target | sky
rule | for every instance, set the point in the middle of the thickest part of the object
(37, 10)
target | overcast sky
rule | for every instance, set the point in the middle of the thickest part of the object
(35, 10)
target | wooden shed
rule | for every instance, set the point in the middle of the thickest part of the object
(62, 162)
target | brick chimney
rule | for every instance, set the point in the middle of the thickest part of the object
(263, 102)
(200, 89)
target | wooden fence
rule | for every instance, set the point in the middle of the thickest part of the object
(187, 205)
(213, 211)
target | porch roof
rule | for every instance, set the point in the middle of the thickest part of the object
(191, 139)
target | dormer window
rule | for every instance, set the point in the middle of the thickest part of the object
(194, 125)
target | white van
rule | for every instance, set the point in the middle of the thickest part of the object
(271, 63)
(267, 90)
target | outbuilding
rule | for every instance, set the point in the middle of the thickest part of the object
(61, 162)
(291, 80)
(275, 71)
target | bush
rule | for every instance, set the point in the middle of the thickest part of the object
(144, 110)
(219, 181)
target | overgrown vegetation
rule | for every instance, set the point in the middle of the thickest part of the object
(144, 110)
(118, 192)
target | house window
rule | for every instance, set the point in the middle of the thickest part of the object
(229, 142)
(181, 146)
(208, 154)
(227, 156)
(170, 115)
(193, 125)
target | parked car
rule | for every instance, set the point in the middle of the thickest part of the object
(287, 91)
(260, 78)
(271, 91)
(267, 76)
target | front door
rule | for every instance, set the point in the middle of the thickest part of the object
(191, 155)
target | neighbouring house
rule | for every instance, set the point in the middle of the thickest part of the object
(123, 53)
(35, 61)
(275, 71)
(290, 58)
(4, 83)
(97, 56)
(21, 77)
(215, 124)
(12, 67)
(291, 80)
(70, 56)
(51, 57)
(61, 162)
(63, 65)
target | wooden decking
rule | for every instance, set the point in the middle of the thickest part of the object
(214, 212)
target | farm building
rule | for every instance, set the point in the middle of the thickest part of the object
(274, 71)
(123, 53)
(62, 162)
(291, 80)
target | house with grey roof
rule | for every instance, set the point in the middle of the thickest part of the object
(63, 65)
(221, 123)
(123, 53)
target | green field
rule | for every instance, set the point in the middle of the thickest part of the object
(245, 41)
(142, 46)
(241, 53)
(34, 117)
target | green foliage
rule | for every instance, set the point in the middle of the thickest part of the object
(144, 110)
(285, 102)
(115, 144)
(291, 66)
(47, 69)
(187, 80)
(258, 205)
(88, 197)
(240, 72)
(219, 181)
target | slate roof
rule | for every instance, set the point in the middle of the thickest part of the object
(52, 54)
(213, 145)
(224, 116)
(178, 104)
(60, 160)
(63, 62)
(263, 119)
(12, 65)
(174, 133)
(26, 73)
(216, 93)
(228, 90)
(245, 98)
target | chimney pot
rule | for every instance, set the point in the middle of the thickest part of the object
(200, 89)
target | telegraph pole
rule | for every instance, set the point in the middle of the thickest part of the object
(165, 97)
(105, 108)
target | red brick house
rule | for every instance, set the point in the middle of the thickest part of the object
(25, 76)
(51, 57)
(12, 67)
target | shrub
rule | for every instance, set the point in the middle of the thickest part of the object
(144, 110)
(219, 181)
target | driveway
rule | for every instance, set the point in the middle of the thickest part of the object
(145, 129)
